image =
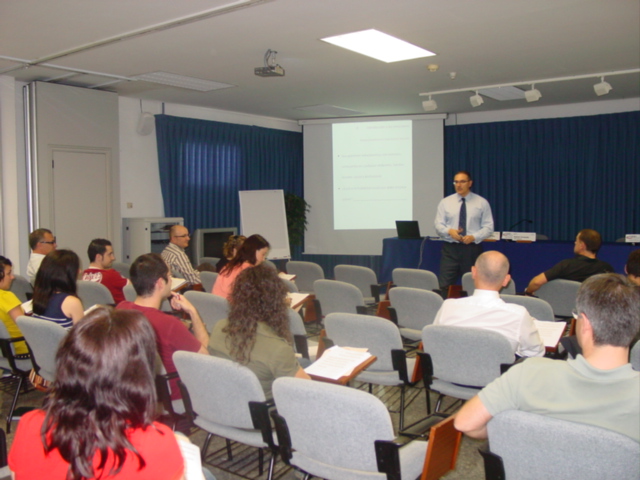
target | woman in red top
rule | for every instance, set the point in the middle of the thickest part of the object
(97, 422)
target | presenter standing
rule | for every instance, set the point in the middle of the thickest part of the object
(463, 220)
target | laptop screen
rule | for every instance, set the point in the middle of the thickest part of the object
(408, 229)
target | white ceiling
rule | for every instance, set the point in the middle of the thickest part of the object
(484, 41)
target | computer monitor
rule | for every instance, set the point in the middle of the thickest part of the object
(208, 242)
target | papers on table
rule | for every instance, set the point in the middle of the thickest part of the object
(286, 276)
(176, 283)
(550, 332)
(337, 362)
(28, 307)
(297, 299)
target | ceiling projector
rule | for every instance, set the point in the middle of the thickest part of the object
(270, 71)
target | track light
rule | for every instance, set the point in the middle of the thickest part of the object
(602, 88)
(532, 95)
(429, 105)
(476, 100)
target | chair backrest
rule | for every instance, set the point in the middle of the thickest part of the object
(415, 307)
(220, 390)
(337, 296)
(464, 355)
(291, 287)
(306, 273)
(534, 446)
(415, 278)
(21, 287)
(122, 268)
(94, 293)
(469, 287)
(537, 308)
(331, 424)
(377, 334)
(43, 338)
(210, 260)
(296, 325)
(270, 264)
(634, 356)
(361, 277)
(208, 280)
(211, 308)
(561, 295)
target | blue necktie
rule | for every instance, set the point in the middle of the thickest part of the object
(462, 222)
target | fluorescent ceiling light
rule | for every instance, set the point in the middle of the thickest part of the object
(378, 45)
(182, 81)
(502, 94)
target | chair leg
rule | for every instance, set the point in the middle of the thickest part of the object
(439, 402)
(203, 453)
(272, 464)
(229, 452)
(370, 388)
(428, 394)
(260, 461)
(13, 403)
(402, 407)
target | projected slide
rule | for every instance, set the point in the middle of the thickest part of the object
(372, 174)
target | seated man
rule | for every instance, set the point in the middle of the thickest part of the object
(632, 268)
(41, 242)
(101, 258)
(578, 268)
(597, 388)
(485, 309)
(152, 281)
(176, 258)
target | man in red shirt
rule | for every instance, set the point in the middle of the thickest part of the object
(102, 257)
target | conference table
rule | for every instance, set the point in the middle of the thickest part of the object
(527, 259)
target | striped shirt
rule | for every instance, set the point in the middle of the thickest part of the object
(178, 262)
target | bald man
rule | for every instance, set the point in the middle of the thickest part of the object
(485, 309)
(175, 256)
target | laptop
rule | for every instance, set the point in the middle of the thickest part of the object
(408, 229)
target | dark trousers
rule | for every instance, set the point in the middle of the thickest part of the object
(457, 259)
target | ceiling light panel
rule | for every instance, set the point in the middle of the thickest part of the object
(502, 93)
(378, 45)
(182, 81)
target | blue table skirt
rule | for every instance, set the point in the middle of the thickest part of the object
(527, 259)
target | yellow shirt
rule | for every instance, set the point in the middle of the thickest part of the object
(8, 301)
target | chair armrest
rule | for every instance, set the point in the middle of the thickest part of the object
(318, 308)
(393, 315)
(422, 427)
(388, 456)
(284, 438)
(302, 346)
(5, 348)
(186, 401)
(493, 466)
(260, 418)
(399, 362)
(427, 368)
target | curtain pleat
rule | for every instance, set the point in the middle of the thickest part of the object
(563, 174)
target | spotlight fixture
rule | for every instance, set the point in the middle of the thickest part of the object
(532, 95)
(476, 100)
(429, 105)
(602, 88)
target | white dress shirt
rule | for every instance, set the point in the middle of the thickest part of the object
(479, 217)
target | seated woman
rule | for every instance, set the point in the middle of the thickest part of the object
(10, 305)
(98, 419)
(256, 334)
(54, 293)
(253, 252)
(229, 250)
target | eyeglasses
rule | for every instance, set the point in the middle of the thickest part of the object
(50, 243)
(456, 182)
(181, 236)
(575, 313)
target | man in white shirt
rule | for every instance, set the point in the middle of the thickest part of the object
(41, 242)
(175, 256)
(485, 309)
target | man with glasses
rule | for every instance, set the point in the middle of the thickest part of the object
(41, 242)
(175, 256)
(598, 387)
(463, 220)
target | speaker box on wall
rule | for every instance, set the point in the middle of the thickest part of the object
(146, 123)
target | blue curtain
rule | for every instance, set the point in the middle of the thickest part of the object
(203, 165)
(563, 174)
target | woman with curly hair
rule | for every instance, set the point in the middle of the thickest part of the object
(97, 422)
(252, 252)
(54, 292)
(256, 334)
(229, 250)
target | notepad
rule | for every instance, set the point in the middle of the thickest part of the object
(550, 332)
(337, 362)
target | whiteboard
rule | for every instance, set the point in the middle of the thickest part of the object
(262, 212)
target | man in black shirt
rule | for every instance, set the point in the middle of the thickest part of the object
(578, 268)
